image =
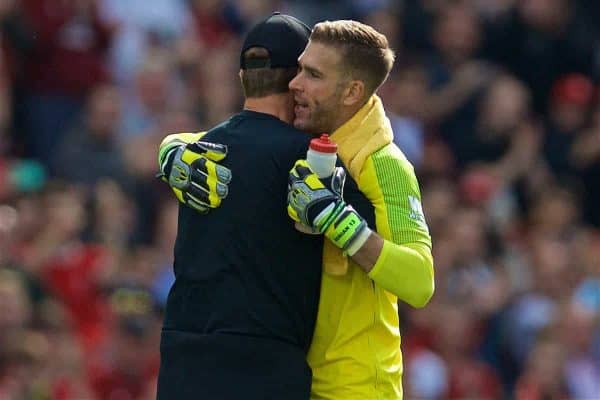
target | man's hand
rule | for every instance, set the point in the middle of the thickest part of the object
(320, 206)
(193, 173)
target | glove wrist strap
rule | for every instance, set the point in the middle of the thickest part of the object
(358, 242)
(346, 228)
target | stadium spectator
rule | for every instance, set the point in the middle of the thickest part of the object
(93, 141)
(66, 60)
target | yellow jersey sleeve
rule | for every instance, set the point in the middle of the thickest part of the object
(406, 271)
(405, 265)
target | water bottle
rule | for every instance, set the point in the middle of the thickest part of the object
(321, 156)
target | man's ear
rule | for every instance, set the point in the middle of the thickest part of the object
(354, 92)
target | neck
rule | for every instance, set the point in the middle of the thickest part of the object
(277, 105)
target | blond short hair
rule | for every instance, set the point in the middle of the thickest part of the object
(366, 54)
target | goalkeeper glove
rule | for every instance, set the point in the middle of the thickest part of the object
(323, 209)
(193, 173)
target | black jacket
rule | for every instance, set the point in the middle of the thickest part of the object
(240, 316)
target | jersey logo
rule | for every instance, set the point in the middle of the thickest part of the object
(416, 211)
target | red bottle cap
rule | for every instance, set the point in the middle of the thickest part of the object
(323, 144)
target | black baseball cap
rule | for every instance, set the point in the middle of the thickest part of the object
(283, 36)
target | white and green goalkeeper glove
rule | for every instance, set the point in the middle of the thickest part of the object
(193, 173)
(319, 206)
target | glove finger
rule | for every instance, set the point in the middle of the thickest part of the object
(313, 182)
(338, 180)
(301, 169)
(180, 171)
(324, 217)
(198, 206)
(210, 168)
(303, 174)
(222, 173)
(200, 195)
(301, 163)
(212, 151)
(209, 184)
(292, 213)
(203, 198)
(292, 180)
(189, 155)
(210, 198)
(294, 174)
(191, 200)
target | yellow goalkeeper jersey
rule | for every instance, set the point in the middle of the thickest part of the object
(355, 351)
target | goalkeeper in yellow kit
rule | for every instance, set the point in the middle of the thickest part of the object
(355, 351)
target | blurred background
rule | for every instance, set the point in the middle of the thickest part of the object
(495, 102)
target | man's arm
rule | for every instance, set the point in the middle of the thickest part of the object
(404, 270)
(397, 257)
(366, 257)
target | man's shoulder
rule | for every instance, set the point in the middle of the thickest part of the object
(265, 127)
(277, 128)
(389, 169)
(391, 157)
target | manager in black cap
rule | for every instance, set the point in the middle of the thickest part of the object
(241, 313)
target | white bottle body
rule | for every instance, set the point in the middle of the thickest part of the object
(322, 164)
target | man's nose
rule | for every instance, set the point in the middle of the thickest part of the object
(295, 83)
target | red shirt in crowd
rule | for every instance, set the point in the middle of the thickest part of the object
(73, 277)
(70, 46)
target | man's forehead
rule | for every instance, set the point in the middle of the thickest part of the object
(319, 55)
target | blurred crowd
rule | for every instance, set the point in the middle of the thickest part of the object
(495, 102)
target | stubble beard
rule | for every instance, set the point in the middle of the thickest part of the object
(316, 123)
(322, 118)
